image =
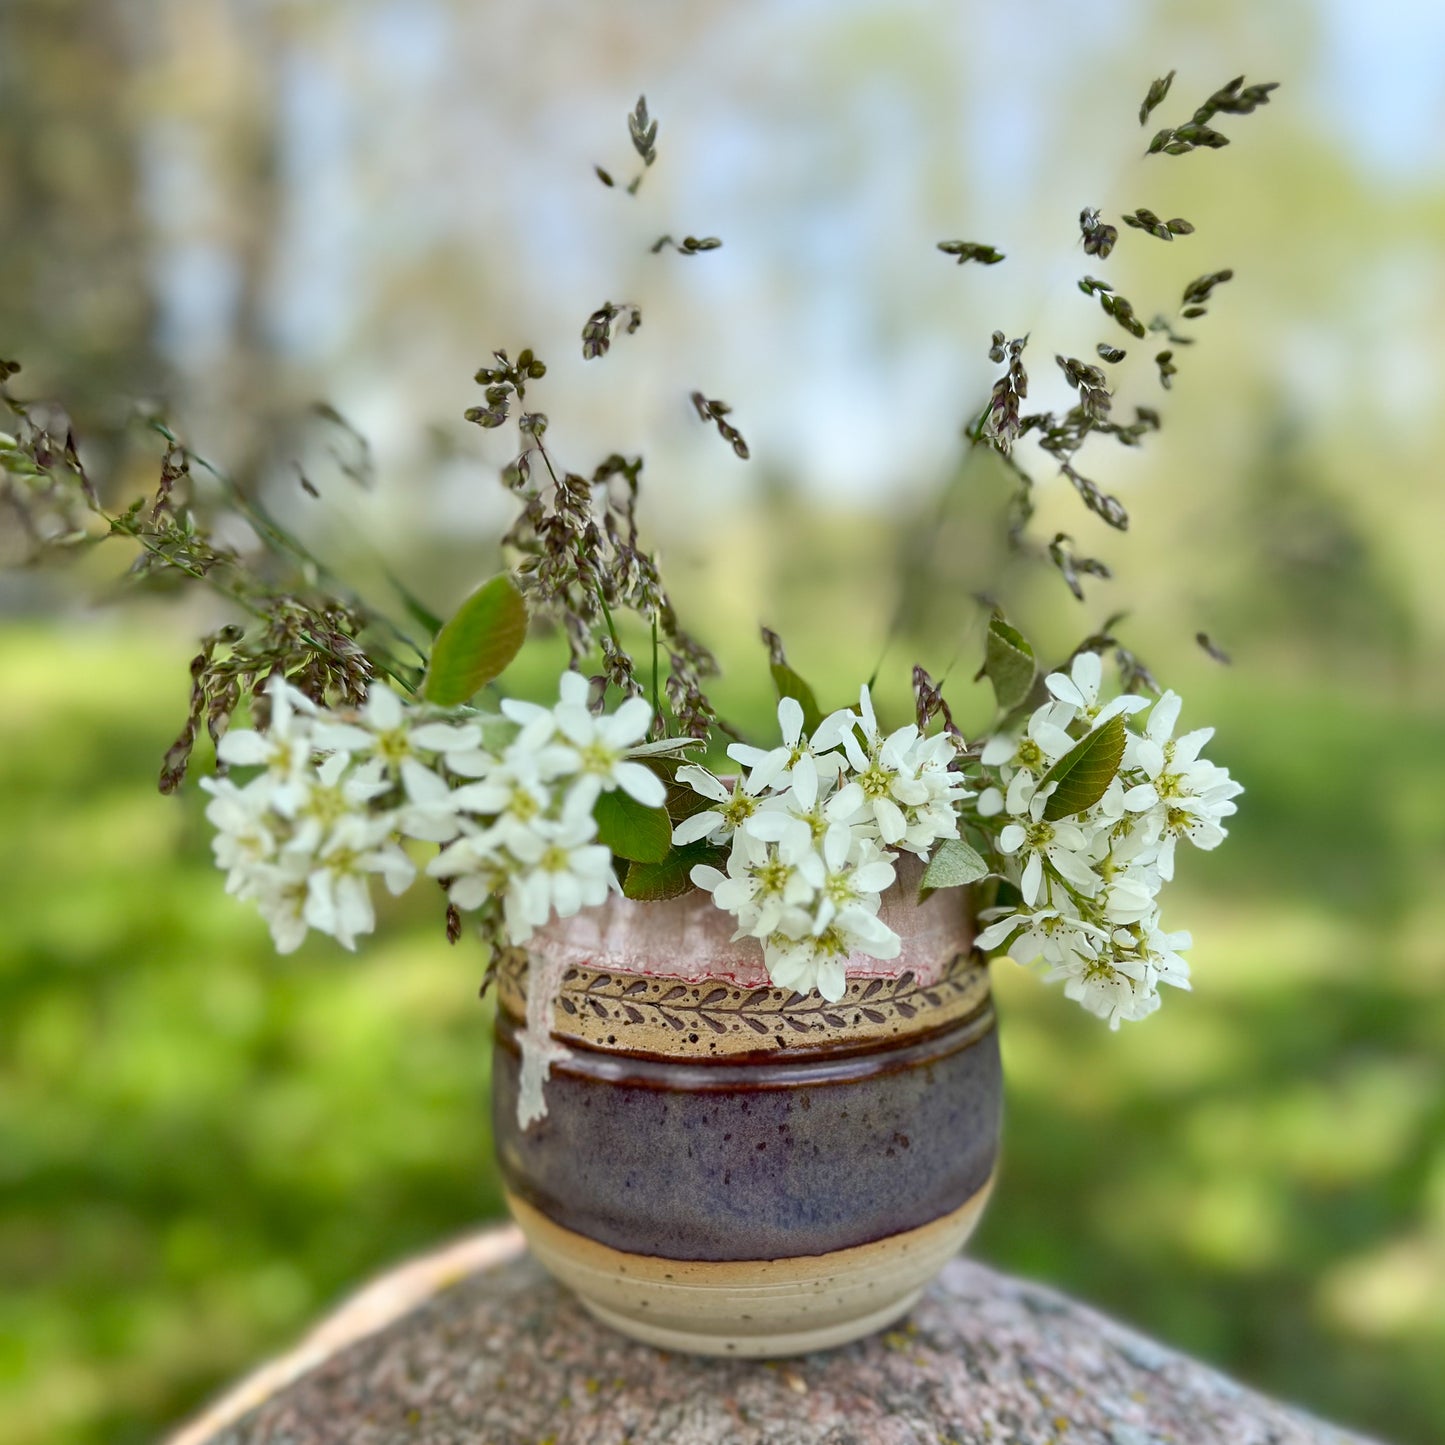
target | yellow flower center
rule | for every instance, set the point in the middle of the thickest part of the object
(772, 876)
(326, 804)
(875, 782)
(738, 808)
(597, 757)
(393, 746)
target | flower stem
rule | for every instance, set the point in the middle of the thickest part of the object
(656, 700)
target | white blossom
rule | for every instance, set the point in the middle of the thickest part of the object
(900, 785)
(1160, 952)
(316, 800)
(1079, 689)
(559, 870)
(1090, 882)
(760, 883)
(475, 867)
(811, 829)
(847, 871)
(1023, 760)
(1117, 988)
(1062, 941)
(736, 805)
(517, 790)
(1041, 845)
(246, 835)
(338, 895)
(802, 818)
(1188, 796)
(600, 744)
(286, 746)
(800, 759)
(429, 812)
(341, 789)
(279, 891)
(803, 957)
(807, 863)
(385, 728)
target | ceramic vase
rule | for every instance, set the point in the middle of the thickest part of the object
(729, 1168)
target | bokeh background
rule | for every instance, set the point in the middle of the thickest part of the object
(235, 208)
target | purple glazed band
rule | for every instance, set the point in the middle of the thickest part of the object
(773, 1159)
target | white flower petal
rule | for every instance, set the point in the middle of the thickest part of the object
(445, 737)
(865, 713)
(998, 749)
(844, 803)
(1033, 879)
(244, 748)
(874, 877)
(1160, 727)
(693, 829)
(702, 781)
(1064, 689)
(805, 782)
(1140, 798)
(629, 723)
(383, 711)
(640, 783)
(1051, 738)
(832, 730)
(790, 720)
(891, 822)
(573, 689)
(995, 933)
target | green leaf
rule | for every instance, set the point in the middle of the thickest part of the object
(484, 635)
(1008, 663)
(1085, 771)
(671, 878)
(631, 830)
(673, 749)
(953, 864)
(789, 684)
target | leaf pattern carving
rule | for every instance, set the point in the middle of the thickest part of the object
(711, 1009)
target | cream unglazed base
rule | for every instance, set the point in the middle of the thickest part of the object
(759, 1309)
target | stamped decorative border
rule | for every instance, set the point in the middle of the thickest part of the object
(709, 1018)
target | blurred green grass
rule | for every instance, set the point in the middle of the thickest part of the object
(204, 1144)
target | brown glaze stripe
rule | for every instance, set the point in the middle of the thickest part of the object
(643, 1016)
(937, 1043)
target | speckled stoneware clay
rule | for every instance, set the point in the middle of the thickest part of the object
(728, 1168)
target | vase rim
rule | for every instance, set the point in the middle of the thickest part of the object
(690, 938)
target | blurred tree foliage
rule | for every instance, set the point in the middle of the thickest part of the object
(76, 298)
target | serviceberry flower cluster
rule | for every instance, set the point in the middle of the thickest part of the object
(813, 828)
(510, 799)
(1088, 885)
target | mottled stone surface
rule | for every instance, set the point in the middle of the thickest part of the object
(503, 1355)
